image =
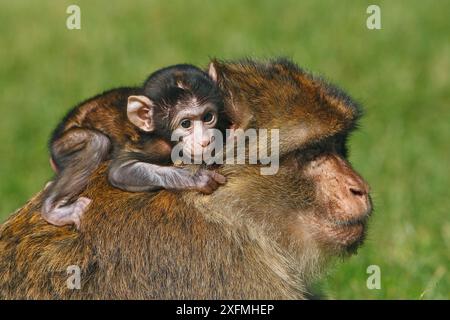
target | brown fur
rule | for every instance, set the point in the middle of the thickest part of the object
(106, 113)
(257, 237)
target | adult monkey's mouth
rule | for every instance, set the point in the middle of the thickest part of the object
(352, 221)
(349, 236)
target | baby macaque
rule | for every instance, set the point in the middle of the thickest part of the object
(133, 127)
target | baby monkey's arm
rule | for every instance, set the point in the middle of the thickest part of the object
(129, 172)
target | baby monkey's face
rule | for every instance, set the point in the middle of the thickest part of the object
(189, 124)
(193, 126)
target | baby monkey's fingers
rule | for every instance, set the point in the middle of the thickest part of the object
(208, 181)
(218, 177)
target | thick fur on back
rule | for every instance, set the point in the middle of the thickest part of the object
(136, 246)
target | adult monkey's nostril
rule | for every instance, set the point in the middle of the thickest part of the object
(358, 187)
(358, 191)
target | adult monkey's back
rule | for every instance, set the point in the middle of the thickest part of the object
(256, 237)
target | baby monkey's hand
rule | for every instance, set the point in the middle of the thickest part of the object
(207, 181)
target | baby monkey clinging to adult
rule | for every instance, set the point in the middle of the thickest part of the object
(133, 127)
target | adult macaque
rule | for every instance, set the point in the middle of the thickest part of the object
(134, 126)
(257, 237)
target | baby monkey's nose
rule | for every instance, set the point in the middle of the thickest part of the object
(204, 143)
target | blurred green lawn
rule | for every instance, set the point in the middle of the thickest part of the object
(400, 74)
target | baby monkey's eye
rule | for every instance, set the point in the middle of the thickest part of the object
(208, 117)
(186, 123)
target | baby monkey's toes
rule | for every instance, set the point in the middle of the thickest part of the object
(63, 213)
(80, 207)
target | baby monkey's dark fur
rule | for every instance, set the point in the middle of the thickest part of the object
(131, 127)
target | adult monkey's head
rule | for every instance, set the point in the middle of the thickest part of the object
(316, 205)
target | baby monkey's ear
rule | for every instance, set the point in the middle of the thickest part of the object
(140, 112)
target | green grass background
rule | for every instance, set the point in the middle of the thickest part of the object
(400, 73)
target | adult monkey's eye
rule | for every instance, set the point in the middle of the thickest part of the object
(186, 123)
(208, 117)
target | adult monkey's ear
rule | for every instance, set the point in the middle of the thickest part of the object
(212, 72)
(140, 112)
(238, 112)
(217, 71)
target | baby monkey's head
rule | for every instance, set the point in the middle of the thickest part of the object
(181, 103)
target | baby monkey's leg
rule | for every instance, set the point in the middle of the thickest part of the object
(76, 154)
(130, 174)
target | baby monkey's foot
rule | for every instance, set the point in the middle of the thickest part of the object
(207, 181)
(63, 214)
(80, 208)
